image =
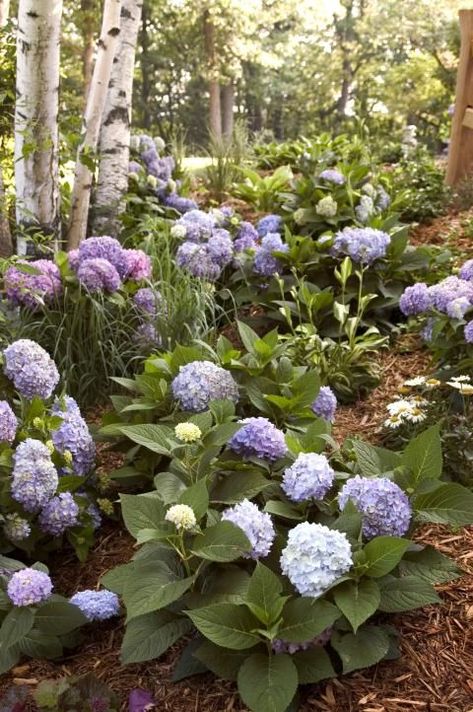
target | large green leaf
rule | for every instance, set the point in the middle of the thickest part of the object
(221, 542)
(264, 594)
(197, 497)
(227, 625)
(168, 487)
(157, 438)
(149, 636)
(16, 624)
(235, 487)
(141, 512)
(152, 588)
(223, 663)
(116, 578)
(37, 644)
(267, 683)
(361, 650)
(430, 565)
(304, 618)
(313, 665)
(423, 456)
(59, 617)
(8, 658)
(449, 503)
(373, 460)
(357, 600)
(406, 593)
(384, 553)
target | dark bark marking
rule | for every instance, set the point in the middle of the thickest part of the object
(125, 13)
(32, 14)
(114, 31)
(118, 114)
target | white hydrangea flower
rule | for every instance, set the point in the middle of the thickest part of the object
(369, 189)
(152, 181)
(188, 432)
(327, 207)
(159, 143)
(182, 516)
(178, 231)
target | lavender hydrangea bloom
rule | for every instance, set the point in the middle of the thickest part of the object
(73, 436)
(468, 332)
(197, 260)
(457, 308)
(246, 237)
(34, 478)
(32, 290)
(200, 382)
(74, 259)
(257, 526)
(105, 248)
(281, 646)
(331, 175)
(449, 289)
(364, 245)
(415, 299)
(383, 200)
(385, 508)
(138, 265)
(16, 528)
(95, 516)
(270, 223)
(310, 477)
(134, 167)
(177, 202)
(98, 275)
(148, 335)
(8, 423)
(148, 300)
(258, 438)
(325, 405)
(265, 263)
(198, 225)
(365, 209)
(59, 514)
(97, 605)
(315, 557)
(466, 271)
(31, 369)
(28, 587)
(220, 248)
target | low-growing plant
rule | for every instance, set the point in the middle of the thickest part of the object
(263, 192)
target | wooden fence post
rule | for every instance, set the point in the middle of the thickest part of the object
(460, 155)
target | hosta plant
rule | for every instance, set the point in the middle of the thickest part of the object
(280, 560)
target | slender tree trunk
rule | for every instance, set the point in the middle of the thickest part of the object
(114, 142)
(215, 115)
(145, 66)
(4, 12)
(92, 120)
(36, 112)
(6, 244)
(88, 8)
(228, 100)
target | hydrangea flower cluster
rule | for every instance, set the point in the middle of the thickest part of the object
(269, 224)
(8, 423)
(96, 605)
(195, 226)
(102, 264)
(34, 478)
(59, 514)
(207, 249)
(331, 175)
(179, 203)
(148, 300)
(257, 526)
(16, 528)
(31, 369)
(32, 290)
(258, 437)
(384, 507)
(362, 245)
(415, 299)
(326, 207)
(246, 237)
(73, 436)
(315, 557)
(365, 209)
(182, 516)
(200, 382)
(265, 263)
(325, 405)
(188, 432)
(28, 587)
(310, 477)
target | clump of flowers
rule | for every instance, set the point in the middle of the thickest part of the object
(363, 245)
(40, 285)
(73, 436)
(34, 478)
(257, 526)
(102, 264)
(207, 249)
(258, 437)
(28, 587)
(385, 508)
(8, 423)
(405, 410)
(325, 405)
(310, 477)
(31, 369)
(281, 646)
(16, 528)
(188, 432)
(315, 557)
(327, 207)
(269, 224)
(265, 263)
(200, 382)
(182, 516)
(96, 605)
(59, 514)
(331, 175)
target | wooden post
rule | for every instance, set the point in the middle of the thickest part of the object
(460, 155)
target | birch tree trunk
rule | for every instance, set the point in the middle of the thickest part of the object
(6, 245)
(92, 120)
(114, 141)
(36, 112)
(4, 12)
(88, 43)
(228, 98)
(215, 115)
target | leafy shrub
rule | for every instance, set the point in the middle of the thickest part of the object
(263, 192)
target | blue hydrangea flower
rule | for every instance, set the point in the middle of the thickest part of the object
(59, 514)
(449, 289)
(466, 271)
(34, 478)
(457, 308)
(73, 435)
(325, 405)
(198, 225)
(95, 516)
(385, 508)
(16, 528)
(31, 369)
(365, 209)
(148, 300)
(315, 557)
(415, 299)
(97, 605)
(258, 438)
(177, 202)
(257, 526)
(134, 167)
(200, 382)
(331, 175)
(8, 423)
(364, 245)
(197, 260)
(270, 223)
(98, 275)
(246, 237)
(383, 200)
(28, 587)
(468, 332)
(265, 263)
(280, 646)
(104, 248)
(426, 332)
(310, 477)
(220, 247)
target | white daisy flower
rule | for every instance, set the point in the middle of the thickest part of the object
(416, 381)
(459, 379)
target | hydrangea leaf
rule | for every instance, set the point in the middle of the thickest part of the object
(221, 542)
(406, 594)
(197, 497)
(59, 617)
(423, 456)
(357, 600)
(430, 565)
(233, 489)
(304, 619)
(313, 665)
(361, 650)
(383, 553)
(227, 624)
(153, 588)
(264, 594)
(16, 624)
(267, 683)
(223, 663)
(449, 503)
(149, 636)
(141, 512)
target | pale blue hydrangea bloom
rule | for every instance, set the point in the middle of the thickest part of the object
(415, 299)
(310, 477)
(364, 245)
(73, 435)
(34, 478)
(468, 332)
(28, 587)
(466, 271)
(31, 369)
(259, 438)
(325, 404)
(59, 514)
(257, 526)
(270, 223)
(332, 176)
(265, 263)
(8, 423)
(200, 382)
(97, 605)
(16, 528)
(99, 275)
(449, 289)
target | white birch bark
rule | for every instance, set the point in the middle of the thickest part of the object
(4, 12)
(36, 113)
(6, 245)
(114, 141)
(92, 120)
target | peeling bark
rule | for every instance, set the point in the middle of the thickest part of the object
(97, 98)
(36, 126)
(114, 141)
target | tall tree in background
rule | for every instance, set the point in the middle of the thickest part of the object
(36, 115)
(96, 101)
(114, 141)
(215, 114)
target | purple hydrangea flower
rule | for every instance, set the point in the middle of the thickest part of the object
(146, 143)
(197, 224)
(98, 275)
(134, 167)
(466, 271)
(148, 300)
(8, 423)
(415, 299)
(177, 202)
(220, 248)
(74, 259)
(269, 224)
(258, 438)
(59, 514)
(200, 382)
(246, 237)
(310, 477)
(34, 478)
(31, 369)
(315, 557)
(138, 265)
(148, 335)
(196, 259)
(265, 263)
(468, 332)
(16, 528)
(325, 405)
(364, 245)
(457, 308)
(385, 508)
(28, 587)
(97, 605)
(448, 290)
(73, 436)
(33, 290)
(105, 248)
(95, 516)
(331, 175)
(257, 526)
